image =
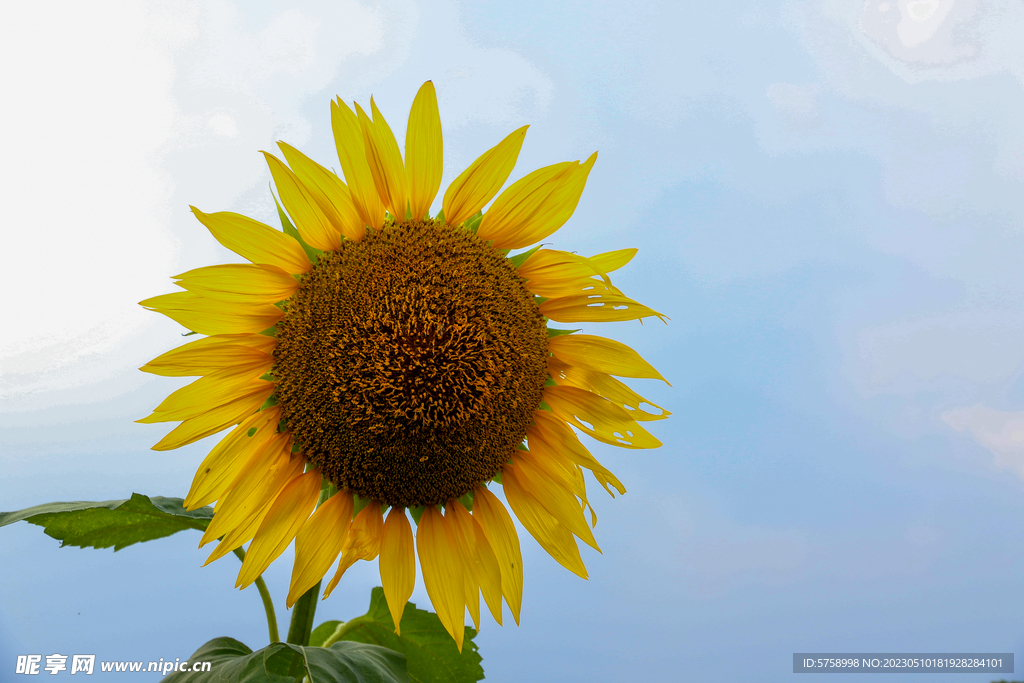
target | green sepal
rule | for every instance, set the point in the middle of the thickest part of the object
(472, 224)
(117, 523)
(497, 478)
(311, 252)
(467, 501)
(555, 332)
(520, 259)
(431, 654)
(439, 216)
(358, 504)
(416, 511)
(231, 660)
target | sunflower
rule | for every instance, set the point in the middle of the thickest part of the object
(379, 360)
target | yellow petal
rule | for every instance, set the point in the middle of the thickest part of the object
(209, 316)
(318, 543)
(362, 542)
(466, 557)
(501, 535)
(442, 571)
(385, 161)
(310, 220)
(240, 282)
(595, 308)
(479, 183)
(549, 434)
(397, 563)
(231, 458)
(211, 354)
(244, 530)
(598, 417)
(211, 391)
(289, 511)
(604, 385)
(367, 531)
(536, 206)
(328, 190)
(601, 355)
(552, 496)
(552, 273)
(348, 558)
(612, 260)
(481, 559)
(423, 151)
(348, 138)
(218, 419)
(268, 474)
(552, 536)
(255, 241)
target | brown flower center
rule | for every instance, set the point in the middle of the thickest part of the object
(409, 364)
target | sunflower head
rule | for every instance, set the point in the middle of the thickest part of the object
(405, 360)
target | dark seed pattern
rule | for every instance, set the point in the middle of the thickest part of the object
(409, 364)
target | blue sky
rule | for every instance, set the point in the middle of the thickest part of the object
(827, 199)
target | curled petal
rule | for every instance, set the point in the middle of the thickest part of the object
(598, 417)
(606, 386)
(318, 544)
(550, 434)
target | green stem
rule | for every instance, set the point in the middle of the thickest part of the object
(268, 604)
(343, 628)
(302, 617)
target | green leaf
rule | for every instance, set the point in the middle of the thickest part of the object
(118, 523)
(233, 661)
(430, 652)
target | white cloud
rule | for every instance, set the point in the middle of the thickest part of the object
(129, 112)
(998, 431)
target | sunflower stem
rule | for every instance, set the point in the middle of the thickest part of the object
(268, 604)
(343, 628)
(302, 617)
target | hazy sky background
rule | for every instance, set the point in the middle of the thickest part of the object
(828, 198)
